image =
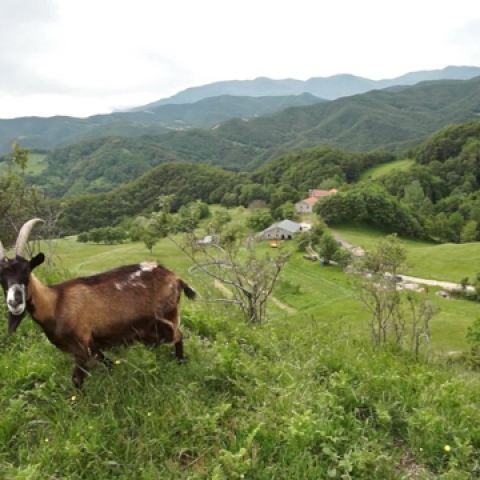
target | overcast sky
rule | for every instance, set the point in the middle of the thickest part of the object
(81, 57)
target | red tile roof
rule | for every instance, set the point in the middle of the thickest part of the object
(310, 200)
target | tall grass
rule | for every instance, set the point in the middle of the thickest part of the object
(284, 400)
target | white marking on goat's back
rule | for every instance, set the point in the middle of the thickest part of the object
(148, 266)
(131, 282)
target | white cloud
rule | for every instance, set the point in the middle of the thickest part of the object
(81, 57)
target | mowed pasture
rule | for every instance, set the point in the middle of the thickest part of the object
(448, 262)
(37, 163)
(380, 170)
(324, 293)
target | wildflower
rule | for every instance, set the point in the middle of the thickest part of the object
(149, 414)
(74, 398)
(447, 448)
(421, 449)
(117, 362)
(46, 440)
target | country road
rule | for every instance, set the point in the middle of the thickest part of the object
(436, 283)
(406, 278)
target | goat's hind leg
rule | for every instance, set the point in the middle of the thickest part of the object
(178, 344)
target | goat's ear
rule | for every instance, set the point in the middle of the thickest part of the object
(37, 260)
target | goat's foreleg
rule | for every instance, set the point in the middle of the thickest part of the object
(85, 359)
(82, 366)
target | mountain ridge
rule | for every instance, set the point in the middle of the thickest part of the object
(60, 130)
(328, 88)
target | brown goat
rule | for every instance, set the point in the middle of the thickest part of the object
(85, 315)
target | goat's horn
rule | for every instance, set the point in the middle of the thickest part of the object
(24, 234)
(2, 251)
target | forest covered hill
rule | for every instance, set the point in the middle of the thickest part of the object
(395, 120)
(47, 133)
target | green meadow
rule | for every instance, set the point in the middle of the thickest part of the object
(448, 262)
(385, 168)
(302, 396)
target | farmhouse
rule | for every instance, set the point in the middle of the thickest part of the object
(284, 230)
(306, 205)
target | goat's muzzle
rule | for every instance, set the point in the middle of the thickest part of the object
(14, 321)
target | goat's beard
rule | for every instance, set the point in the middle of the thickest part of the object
(14, 321)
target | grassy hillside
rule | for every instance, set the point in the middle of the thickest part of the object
(302, 395)
(50, 132)
(380, 170)
(37, 163)
(448, 262)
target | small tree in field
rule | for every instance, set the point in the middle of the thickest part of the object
(328, 247)
(150, 239)
(232, 263)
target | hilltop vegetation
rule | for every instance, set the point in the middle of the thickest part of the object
(329, 88)
(286, 178)
(105, 163)
(51, 132)
(428, 200)
(377, 120)
(186, 181)
(365, 122)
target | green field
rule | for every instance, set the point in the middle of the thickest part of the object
(301, 396)
(312, 290)
(37, 163)
(448, 262)
(380, 170)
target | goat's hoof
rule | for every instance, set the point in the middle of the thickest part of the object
(182, 361)
(108, 362)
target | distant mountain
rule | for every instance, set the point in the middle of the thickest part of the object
(393, 119)
(381, 118)
(329, 88)
(50, 132)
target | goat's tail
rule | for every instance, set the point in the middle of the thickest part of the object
(187, 289)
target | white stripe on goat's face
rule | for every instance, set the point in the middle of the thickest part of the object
(16, 299)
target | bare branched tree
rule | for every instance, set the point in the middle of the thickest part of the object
(51, 214)
(421, 312)
(233, 263)
(394, 313)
